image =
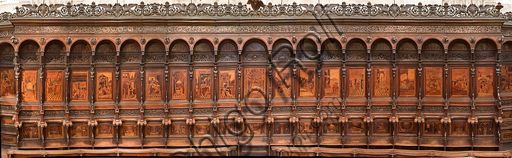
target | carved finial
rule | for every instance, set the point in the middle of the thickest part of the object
(215, 40)
(393, 39)
(419, 39)
(167, 40)
(239, 40)
(343, 39)
(472, 39)
(93, 41)
(118, 41)
(269, 40)
(369, 39)
(68, 40)
(42, 40)
(256, 4)
(14, 40)
(191, 40)
(142, 40)
(445, 39)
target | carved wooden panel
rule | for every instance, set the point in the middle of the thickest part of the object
(381, 82)
(433, 127)
(407, 126)
(79, 86)
(257, 127)
(433, 81)
(381, 126)
(202, 129)
(79, 130)
(178, 129)
(506, 79)
(283, 83)
(356, 51)
(355, 126)
(332, 82)
(281, 127)
(54, 130)
(129, 129)
(129, 89)
(30, 131)
(485, 127)
(331, 126)
(104, 129)
(459, 127)
(179, 84)
(407, 85)
(331, 50)
(153, 129)
(54, 85)
(356, 82)
(154, 85)
(7, 88)
(29, 88)
(254, 79)
(460, 82)
(203, 84)
(227, 84)
(306, 127)
(104, 86)
(485, 81)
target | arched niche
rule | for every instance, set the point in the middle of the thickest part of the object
(432, 50)
(485, 50)
(29, 52)
(459, 50)
(6, 53)
(506, 51)
(381, 50)
(254, 51)
(228, 51)
(180, 52)
(203, 51)
(307, 50)
(331, 50)
(506, 69)
(54, 52)
(80, 52)
(155, 52)
(281, 50)
(105, 52)
(130, 52)
(356, 50)
(407, 50)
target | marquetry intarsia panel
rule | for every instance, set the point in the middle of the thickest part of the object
(169, 83)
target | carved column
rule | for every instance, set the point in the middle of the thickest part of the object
(17, 98)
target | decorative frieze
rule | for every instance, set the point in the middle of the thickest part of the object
(128, 112)
(381, 109)
(356, 109)
(104, 112)
(227, 58)
(79, 59)
(54, 113)
(79, 113)
(203, 111)
(436, 109)
(406, 108)
(154, 112)
(178, 111)
(54, 59)
(105, 58)
(178, 58)
(281, 109)
(255, 57)
(155, 58)
(462, 109)
(308, 109)
(29, 113)
(203, 57)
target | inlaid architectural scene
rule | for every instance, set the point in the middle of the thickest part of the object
(249, 79)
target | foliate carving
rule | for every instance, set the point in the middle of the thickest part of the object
(6, 59)
(29, 113)
(407, 56)
(225, 110)
(356, 109)
(437, 109)
(458, 56)
(310, 109)
(167, 40)
(432, 56)
(104, 112)
(154, 112)
(381, 56)
(128, 112)
(155, 58)
(203, 57)
(331, 56)
(464, 109)
(104, 58)
(78, 113)
(54, 59)
(130, 58)
(203, 111)
(6, 108)
(118, 41)
(29, 59)
(53, 113)
(255, 57)
(93, 41)
(489, 109)
(357, 55)
(419, 39)
(79, 59)
(178, 58)
(191, 40)
(239, 40)
(332, 109)
(178, 111)
(281, 109)
(281, 57)
(406, 109)
(484, 56)
(229, 57)
(381, 108)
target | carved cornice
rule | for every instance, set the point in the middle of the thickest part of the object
(242, 10)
